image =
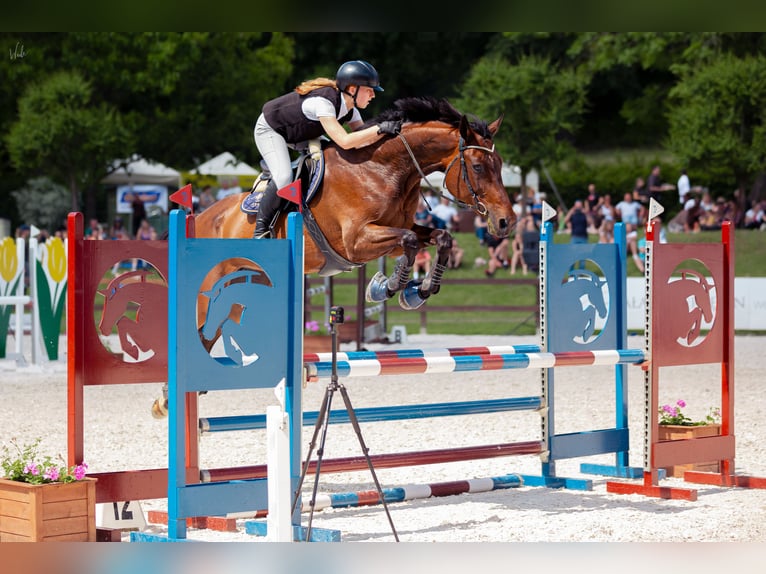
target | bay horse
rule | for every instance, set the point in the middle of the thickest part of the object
(366, 203)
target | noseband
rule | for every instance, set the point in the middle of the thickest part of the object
(477, 206)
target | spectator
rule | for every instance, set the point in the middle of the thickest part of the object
(444, 215)
(422, 265)
(146, 231)
(577, 222)
(683, 187)
(139, 210)
(117, 231)
(423, 214)
(654, 185)
(638, 248)
(755, 217)
(498, 254)
(455, 256)
(629, 212)
(640, 192)
(94, 230)
(607, 213)
(206, 198)
(517, 252)
(480, 228)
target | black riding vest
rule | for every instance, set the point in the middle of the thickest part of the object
(285, 116)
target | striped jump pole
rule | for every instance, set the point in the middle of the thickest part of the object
(400, 494)
(422, 353)
(454, 364)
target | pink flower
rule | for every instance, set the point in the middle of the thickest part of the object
(681, 403)
(32, 469)
(79, 471)
(52, 473)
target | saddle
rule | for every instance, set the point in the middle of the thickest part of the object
(309, 169)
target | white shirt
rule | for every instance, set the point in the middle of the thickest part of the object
(317, 107)
(683, 187)
(445, 213)
(628, 211)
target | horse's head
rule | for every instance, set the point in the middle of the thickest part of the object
(474, 175)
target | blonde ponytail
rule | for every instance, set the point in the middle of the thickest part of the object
(311, 85)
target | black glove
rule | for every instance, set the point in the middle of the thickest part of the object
(391, 127)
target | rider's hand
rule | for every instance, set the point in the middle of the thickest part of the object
(390, 127)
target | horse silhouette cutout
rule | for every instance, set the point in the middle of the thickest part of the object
(694, 290)
(365, 206)
(232, 314)
(139, 336)
(582, 295)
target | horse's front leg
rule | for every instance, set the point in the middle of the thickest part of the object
(414, 294)
(380, 287)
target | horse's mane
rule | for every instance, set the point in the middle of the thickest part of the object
(427, 109)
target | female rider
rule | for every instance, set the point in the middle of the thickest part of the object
(316, 107)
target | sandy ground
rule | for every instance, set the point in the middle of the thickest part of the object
(120, 433)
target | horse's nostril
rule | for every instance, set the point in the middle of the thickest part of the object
(503, 224)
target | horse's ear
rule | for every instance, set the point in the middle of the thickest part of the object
(494, 126)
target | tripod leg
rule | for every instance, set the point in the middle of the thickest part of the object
(320, 453)
(357, 429)
(323, 412)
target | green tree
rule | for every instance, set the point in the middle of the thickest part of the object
(717, 118)
(542, 107)
(61, 133)
(43, 202)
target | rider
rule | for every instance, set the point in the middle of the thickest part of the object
(316, 107)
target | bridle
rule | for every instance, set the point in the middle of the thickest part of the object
(477, 206)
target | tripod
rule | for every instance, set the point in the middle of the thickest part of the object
(322, 422)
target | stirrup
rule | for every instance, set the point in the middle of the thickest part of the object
(265, 235)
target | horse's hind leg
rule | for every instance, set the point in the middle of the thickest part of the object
(380, 287)
(414, 294)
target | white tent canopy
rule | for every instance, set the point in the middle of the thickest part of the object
(142, 171)
(511, 178)
(224, 164)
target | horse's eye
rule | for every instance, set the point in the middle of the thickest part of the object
(478, 168)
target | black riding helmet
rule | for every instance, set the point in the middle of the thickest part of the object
(357, 73)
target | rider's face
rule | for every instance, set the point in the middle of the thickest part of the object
(364, 95)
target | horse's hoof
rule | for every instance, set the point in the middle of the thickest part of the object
(410, 297)
(377, 290)
(160, 409)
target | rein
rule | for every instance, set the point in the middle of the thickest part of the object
(477, 206)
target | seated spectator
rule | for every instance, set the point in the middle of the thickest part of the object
(422, 264)
(423, 214)
(498, 254)
(455, 256)
(444, 215)
(755, 217)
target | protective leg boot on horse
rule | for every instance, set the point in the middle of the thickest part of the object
(268, 210)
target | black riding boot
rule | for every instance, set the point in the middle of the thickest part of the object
(267, 210)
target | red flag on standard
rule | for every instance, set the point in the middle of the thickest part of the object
(292, 192)
(183, 196)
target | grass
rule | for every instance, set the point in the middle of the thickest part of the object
(750, 261)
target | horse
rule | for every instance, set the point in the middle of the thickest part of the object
(137, 337)
(366, 202)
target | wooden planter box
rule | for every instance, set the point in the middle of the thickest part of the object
(48, 512)
(317, 344)
(678, 432)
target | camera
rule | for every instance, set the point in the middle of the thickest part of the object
(336, 315)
